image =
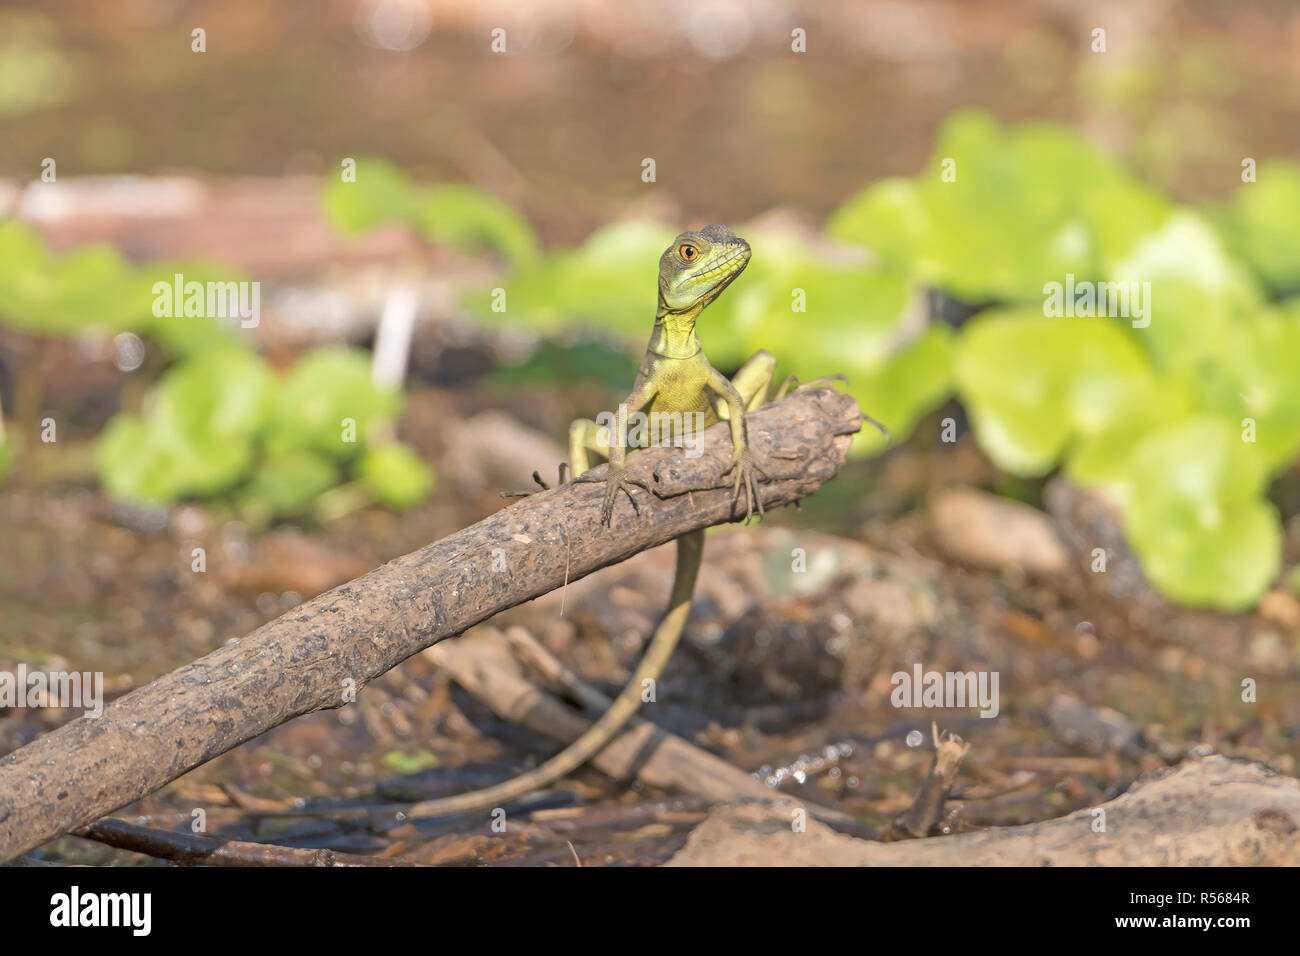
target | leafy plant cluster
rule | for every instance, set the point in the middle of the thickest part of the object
(225, 424)
(373, 192)
(219, 421)
(1184, 417)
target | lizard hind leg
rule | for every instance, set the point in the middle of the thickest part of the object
(752, 381)
(586, 438)
(792, 384)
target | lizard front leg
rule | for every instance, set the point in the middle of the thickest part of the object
(613, 442)
(746, 472)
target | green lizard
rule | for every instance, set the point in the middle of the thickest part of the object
(681, 393)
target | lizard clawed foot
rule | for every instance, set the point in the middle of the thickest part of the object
(747, 476)
(617, 480)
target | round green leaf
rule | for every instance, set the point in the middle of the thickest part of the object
(380, 193)
(396, 475)
(1196, 518)
(329, 403)
(286, 484)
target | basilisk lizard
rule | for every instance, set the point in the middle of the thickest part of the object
(680, 393)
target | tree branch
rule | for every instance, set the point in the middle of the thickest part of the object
(308, 659)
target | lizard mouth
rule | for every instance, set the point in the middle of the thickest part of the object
(742, 253)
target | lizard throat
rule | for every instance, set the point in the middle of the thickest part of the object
(674, 335)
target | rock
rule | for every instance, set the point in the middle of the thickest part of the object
(494, 446)
(980, 529)
(1281, 608)
(286, 560)
(1099, 728)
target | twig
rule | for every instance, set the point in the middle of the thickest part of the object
(949, 750)
(546, 664)
(194, 849)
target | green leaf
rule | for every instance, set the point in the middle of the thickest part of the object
(94, 287)
(182, 334)
(612, 280)
(1255, 381)
(596, 284)
(1197, 292)
(396, 475)
(405, 763)
(1197, 520)
(1100, 457)
(850, 318)
(140, 464)
(88, 287)
(469, 218)
(1012, 373)
(381, 193)
(889, 217)
(998, 213)
(223, 395)
(1260, 225)
(915, 381)
(287, 483)
(26, 282)
(1033, 384)
(327, 399)
(198, 434)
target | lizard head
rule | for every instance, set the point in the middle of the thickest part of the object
(699, 264)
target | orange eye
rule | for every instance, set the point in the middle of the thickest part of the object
(687, 252)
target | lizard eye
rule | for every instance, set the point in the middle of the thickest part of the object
(687, 251)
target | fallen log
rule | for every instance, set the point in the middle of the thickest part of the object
(316, 656)
(1214, 811)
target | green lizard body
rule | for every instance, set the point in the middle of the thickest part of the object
(681, 392)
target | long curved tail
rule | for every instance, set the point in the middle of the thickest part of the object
(690, 548)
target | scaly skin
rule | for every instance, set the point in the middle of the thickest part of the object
(674, 377)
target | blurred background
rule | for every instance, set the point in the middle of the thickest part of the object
(451, 215)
